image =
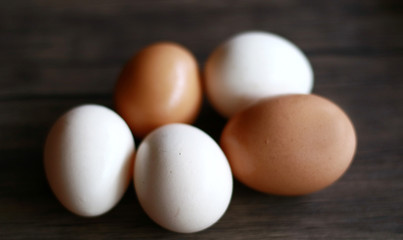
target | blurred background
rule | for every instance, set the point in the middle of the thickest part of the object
(56, 54)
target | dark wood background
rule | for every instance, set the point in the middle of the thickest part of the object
(56, 54)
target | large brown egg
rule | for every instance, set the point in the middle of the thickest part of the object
(289, 145)
(159, 85)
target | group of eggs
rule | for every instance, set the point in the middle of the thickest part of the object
(279, 138)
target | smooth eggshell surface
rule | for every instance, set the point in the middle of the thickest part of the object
(254, 65)
(88, 159)
(159, 85)
(289, 145)
(182, 178)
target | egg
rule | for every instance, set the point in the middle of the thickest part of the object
(159, 85)
(182, 178)
(88, 159)
(254, 65)
(289, 145)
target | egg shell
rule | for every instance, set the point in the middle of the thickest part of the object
(182, 178)
(159, 85)
(255, 65)
(289, 145)
(88, 159)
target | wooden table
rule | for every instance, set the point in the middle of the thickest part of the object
(58, 54)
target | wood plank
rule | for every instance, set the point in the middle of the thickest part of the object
(354, 208)
(53, 30)
(78, 79)
(24, 120)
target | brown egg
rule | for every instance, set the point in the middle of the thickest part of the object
(289, 145)
(159, 85)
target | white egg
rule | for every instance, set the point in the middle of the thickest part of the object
(88, 159)
(182, 178)
(254, 65)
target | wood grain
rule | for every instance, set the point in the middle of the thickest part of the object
(58, 54)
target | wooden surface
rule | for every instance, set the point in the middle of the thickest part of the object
(56, 54)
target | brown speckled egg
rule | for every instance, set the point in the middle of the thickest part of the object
(289, 145)
(159, 85)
